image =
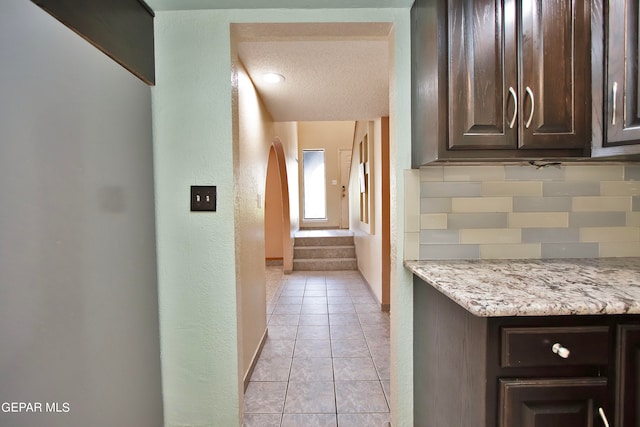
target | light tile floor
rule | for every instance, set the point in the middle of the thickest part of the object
(326, 359)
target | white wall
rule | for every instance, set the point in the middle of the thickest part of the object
(193, 144)
(78, 298)
(331, 137)
(368, 237)
(256, 133)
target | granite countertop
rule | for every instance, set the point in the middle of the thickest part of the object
(495, 288)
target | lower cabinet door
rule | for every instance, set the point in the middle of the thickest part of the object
(628, 376)
(556, 402)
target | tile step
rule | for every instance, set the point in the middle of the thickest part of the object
(325, 264)
(324, 241)
(301, 252)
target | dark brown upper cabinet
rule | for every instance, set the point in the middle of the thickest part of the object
(619, 132)
(499, 79)
(122, 29)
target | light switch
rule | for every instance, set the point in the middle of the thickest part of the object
(334, 182)
(203, 198)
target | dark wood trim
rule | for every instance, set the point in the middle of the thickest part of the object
(122, 29)
(386, 217)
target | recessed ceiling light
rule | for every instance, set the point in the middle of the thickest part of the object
(272, 78)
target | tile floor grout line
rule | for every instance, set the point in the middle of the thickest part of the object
(345, 299)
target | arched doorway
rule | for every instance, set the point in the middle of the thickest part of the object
(277, 221)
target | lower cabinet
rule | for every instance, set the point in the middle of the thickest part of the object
(566, 402)
(548, 371)
(628, 373)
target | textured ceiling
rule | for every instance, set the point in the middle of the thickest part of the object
(333, 71)
(275, 4)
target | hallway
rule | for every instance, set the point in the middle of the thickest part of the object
(326, 359)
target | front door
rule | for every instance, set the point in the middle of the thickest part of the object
(345, 167)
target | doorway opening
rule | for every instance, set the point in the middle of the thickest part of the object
(277, 220)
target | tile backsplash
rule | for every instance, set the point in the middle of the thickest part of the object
(522, 211)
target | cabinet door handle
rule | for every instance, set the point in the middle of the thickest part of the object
(515, 107)
(603, 417)
(533, 107)
(615, 101)
(560, 350)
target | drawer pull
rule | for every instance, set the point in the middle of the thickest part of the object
(603, 417)
(560, 350)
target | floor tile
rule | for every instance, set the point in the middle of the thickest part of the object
(339, 299)
(349, 348)
(383, 366)
(289, 299)
(265, 397)
(343, 319)
(292, 292)
(346, 332)
(282, 332)
(359, 292)
(315, 293)
(304, 369)
(354, 368)
(364, 420)
(314, 309)
(364, 300)
(262, 420)
(327, 342)
(374, 318)
(287, 309)
(376, 332)
(307, 300)
(313, 332)
(314, 319)
(277, 348)
(272, 369)
(386, 387)
(366, 308)
(340, 308)
(270, 308)
(337, 292)
(309, 420)
(360, 396)
(312, 348)
(310, 398)
(284, 319)
(379, 349)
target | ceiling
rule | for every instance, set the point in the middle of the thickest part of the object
(158, 5)
(333, 71)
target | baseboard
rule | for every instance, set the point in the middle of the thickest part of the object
(256, 356)
(383, 307)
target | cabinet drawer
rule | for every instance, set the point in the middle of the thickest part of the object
(531, 346)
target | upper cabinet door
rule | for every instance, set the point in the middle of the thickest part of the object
(622, 108)
(482, 74)
(554, 90)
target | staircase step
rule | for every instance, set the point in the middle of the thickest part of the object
(324, 241)
(325, 264)
(302, 252)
